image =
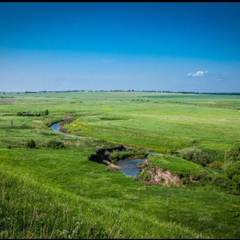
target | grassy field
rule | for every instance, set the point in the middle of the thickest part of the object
(59, 193)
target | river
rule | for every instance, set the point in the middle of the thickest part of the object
(128, 166)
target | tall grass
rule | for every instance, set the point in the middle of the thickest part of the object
(31, 210)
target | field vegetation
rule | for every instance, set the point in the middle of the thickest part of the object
(50, 188)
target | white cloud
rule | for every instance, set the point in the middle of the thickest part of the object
(197, 74)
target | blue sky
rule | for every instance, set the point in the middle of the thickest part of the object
(120, 46)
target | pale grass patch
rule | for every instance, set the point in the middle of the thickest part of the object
(38, 122)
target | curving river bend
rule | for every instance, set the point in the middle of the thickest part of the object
(129, 167)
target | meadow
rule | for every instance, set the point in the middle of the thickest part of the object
(49, 192)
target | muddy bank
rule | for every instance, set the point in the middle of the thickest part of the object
(155, 175)
(144, 172)
(104, 154)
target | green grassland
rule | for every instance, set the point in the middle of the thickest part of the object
(59, 193)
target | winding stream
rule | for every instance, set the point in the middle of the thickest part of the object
(129, 167)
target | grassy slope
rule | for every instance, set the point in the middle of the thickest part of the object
(150, 121)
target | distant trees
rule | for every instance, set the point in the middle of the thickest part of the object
(38, 114)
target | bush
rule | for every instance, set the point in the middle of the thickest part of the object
(216, 165)
(31, 144)
(202, 176)
(55, 144)
(196, 155)
(46, 112)
(233, 169)
(233, 154)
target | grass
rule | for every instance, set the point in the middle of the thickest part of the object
(59, 193)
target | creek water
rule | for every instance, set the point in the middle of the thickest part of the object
(130, 167)
(56, 127)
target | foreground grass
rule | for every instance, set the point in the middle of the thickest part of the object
(59, 193)
(31, 210)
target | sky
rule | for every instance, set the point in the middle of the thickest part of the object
(157, 46)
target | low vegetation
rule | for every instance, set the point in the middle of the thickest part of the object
(127, 154)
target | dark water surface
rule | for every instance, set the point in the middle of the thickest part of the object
(130, 167)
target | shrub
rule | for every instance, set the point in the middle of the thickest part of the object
(234, 153)
(203, 176)
(196, 155)
(31, 144)
(46, 112)
(55, 144)
(216, 165)
(233, 169)
(236, 179)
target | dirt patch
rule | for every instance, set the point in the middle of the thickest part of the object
(158, 176)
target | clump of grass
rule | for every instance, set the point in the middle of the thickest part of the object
(31, 144)
(55, 144)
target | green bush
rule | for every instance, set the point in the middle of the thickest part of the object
(233, 154)
(31, 144)
(46, 112)
(216, 165)
(202, 176)
(55, 144)
(233, 169)
(196, 155)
